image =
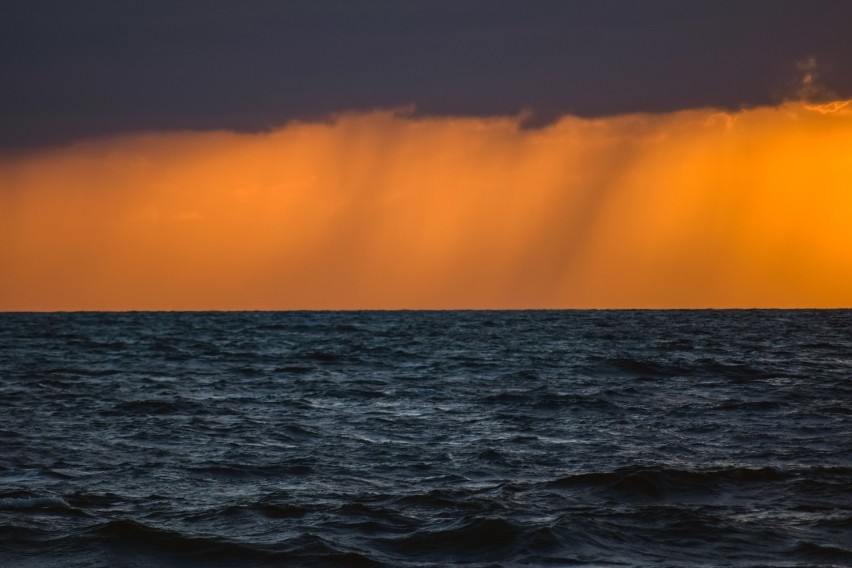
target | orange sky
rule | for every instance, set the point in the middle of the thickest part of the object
(382, 210)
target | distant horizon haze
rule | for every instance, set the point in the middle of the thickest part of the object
(689, 209)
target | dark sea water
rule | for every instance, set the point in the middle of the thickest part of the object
(616, 438)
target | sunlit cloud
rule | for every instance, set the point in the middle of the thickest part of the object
(386, 210)
(830, 108)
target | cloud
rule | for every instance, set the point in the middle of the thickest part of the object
(87, 68)
(810, 87)
(388, 210)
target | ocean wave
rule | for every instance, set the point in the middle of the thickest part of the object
(419, 440)
(657, 482)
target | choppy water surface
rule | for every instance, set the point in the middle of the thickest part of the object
(426, 439)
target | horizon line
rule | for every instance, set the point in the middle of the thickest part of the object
(432, 310)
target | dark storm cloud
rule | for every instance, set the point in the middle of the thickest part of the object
(82, 68)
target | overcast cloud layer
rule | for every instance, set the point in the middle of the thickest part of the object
(85, 68)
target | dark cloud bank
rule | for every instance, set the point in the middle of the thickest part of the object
(84, 68)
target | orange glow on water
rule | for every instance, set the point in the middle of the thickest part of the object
(380, 210)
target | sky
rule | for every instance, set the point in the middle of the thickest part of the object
(387, 155)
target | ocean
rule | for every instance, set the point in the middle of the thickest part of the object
(420, 439)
